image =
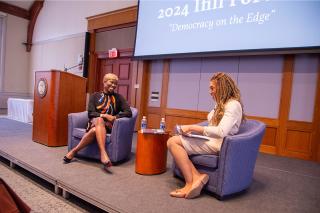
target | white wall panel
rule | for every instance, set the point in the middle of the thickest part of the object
(260, 81)
(57, 55)
(156, 70)
(304, 88)
(59, 33)
(17, 59)
(210, 66)
(61, 18)
(184, 81)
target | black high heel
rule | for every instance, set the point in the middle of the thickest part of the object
(66, 160)
(107, 164)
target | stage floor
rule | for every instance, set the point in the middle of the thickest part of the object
(123, 190)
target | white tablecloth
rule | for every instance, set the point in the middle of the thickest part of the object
(20, 109)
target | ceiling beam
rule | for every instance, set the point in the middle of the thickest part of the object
(34, 12)
(14, 10)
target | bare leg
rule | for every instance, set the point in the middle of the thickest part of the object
(182, 160)
(101, 140)
(87, 139)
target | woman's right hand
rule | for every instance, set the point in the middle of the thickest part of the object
(192, 128)
(108, 117)
(185, 128)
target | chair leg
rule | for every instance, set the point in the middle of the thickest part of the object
(220, 198)
(225, 197)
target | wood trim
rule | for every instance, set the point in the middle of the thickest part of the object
(145, 88)
(154, 110)
(187, 113)
(122, 53)
(164, 86)
(316, 120)
(14, 10)
(299, 125)
(284, 108)
(116, 27)
(270, 122)
(34, 12)
(267, 149)
(134, 82)
(203, 115)
(112, 19)
(141, 86)
(99, 63)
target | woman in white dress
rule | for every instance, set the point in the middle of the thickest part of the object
(223, 120)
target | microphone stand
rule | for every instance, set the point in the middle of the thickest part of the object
(77, 65)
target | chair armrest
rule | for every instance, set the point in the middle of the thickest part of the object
(237, 159)
(76, 120)
(121, 135)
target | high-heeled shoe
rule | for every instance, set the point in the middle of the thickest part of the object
(197, 187)
(177, 193)
(67, 160)
(107, 164)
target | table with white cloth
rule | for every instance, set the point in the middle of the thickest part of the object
(20, 109)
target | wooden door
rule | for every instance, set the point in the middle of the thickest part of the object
(122, 67)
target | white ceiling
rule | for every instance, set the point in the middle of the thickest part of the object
(25, 4)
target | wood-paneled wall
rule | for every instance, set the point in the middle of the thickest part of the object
(283, 137)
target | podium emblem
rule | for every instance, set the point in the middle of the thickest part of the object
(42, 87)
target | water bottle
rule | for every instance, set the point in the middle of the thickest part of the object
(163, 125)
(143, 123)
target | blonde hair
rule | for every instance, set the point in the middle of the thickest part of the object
(226, 90)
(110, 76)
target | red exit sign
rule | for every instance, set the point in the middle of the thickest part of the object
(113, 53)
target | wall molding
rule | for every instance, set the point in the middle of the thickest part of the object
(59, 38)
(113, 18)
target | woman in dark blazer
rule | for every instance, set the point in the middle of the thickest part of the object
(104, 107)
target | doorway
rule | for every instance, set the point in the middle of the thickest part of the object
(122, 67)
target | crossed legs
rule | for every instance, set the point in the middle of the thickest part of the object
(98, 132)
(190, 173)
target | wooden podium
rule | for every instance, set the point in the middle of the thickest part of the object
(56, 94)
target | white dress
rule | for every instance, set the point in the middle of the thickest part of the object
(229, 125)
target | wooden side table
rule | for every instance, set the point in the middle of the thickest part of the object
(151, 153)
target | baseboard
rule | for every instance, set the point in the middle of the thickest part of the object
(3, 112)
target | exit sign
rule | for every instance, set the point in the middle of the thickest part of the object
(113, 53)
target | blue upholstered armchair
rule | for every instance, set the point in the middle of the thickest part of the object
(118, 143)
(231, 170)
